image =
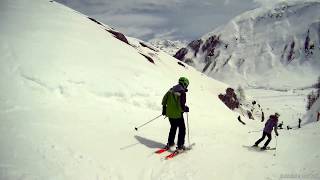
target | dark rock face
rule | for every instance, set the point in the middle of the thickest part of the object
(181, 54)
(308, 46)
(181, 64)
(291, 52)
(195, 45)
(118, 35)
(94, 20)
(230, 99)
(306, 43)
(144, 45)
(148, 58)
(210, 44)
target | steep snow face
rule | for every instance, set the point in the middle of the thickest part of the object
(312, 114)
(277, 47)
(73, 89)
(168, 46)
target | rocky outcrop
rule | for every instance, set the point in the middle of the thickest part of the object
(195, 45)
(230, 99)
(210, 44)
(118, 35)
(94, 20)
(181, 54)
(291, 52)
(148, 58)
(144, 45)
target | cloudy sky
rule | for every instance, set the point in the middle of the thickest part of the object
(165, 19)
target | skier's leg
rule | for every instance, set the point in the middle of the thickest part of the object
(261, 139)
(173, 129)
(182, 132)
(268, 141)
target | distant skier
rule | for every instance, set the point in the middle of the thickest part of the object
(299, 125)
(262, 116)
(272, 123)
(173, 106)
(280, 125)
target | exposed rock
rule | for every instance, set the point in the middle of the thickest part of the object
(207, 65)
(180, 63)
(94, 20)
(118, 35)
(211, 43)
(195, 45)
(181, 54)
(148, 58)
(144, 45)
(230, 99)
(226, 62)
(291, 52)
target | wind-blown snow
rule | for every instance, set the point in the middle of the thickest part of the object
(71, 95)
(168, 46)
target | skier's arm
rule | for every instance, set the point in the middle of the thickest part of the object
(183, 102)
(164, 99)
(164, 103)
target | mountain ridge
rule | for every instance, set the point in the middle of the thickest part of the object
(261, 43)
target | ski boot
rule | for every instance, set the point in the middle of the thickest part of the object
(263, 148)
(168, 146)
(180, 148)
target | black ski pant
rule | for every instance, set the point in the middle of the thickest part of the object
(177, 123)
(262, 138)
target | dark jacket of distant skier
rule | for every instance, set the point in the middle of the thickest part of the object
(271, 124)
(174, 104)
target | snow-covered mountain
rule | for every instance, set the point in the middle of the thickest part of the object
(168, 46)
(73, 89)
(312, 114)
(276, 47)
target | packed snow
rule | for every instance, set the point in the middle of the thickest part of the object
(72, 93)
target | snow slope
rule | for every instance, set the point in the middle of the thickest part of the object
(312, 114)
(72, 93)
(269, 47)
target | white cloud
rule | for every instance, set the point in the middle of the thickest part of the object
(175, 19)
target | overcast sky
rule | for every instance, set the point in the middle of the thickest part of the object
(165, 19)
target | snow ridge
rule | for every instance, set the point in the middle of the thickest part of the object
(261, 46)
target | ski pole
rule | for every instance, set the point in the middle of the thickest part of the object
(255, 131)
(188, 129)
(136, 128)
(275, 151)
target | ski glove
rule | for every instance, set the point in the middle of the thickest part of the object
(186, 109)
(163, 110)
(277, 134)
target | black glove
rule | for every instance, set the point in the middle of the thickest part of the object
(163, 110)
(186, 109)
(277, 134)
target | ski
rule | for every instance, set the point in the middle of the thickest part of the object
(269, 148)
(161, 150)
(257, 148)
(176, 152)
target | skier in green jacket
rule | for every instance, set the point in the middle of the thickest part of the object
(173, 106)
